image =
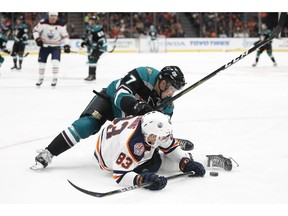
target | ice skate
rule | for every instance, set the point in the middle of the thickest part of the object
(274, 64)
(14, 67)
(90, 78)
(42, 159)
(54, 82)
(254, 65)
(39, 82)
(219, 161)
(185, 145)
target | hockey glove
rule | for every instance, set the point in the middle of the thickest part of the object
(83, 44)
(6, 51)
(142, 107)
(188, 165)
(257, 42)
(158, 182)
(67, 48)
(39, 42)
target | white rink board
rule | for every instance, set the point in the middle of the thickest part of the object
(127, 45)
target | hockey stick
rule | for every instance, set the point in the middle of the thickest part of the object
(24, 56)
(274, 34)
(98, 194)
(114, 46)
(109, 51)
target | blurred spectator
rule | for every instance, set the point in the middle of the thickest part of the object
(131, 25)
(285, 32)
(71, 30)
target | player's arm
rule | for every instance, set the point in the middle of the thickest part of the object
(131, 178)
(37, 30)
(127, 158)
(186, 164)
(125, 94)
(65, 36)
(85, 40)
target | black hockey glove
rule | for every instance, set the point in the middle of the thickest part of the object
(39, 42)
(257, 42)
(159, 182)
(67, 48)
(83, 44)
(142, 107)
(188, 165)
(6, 51)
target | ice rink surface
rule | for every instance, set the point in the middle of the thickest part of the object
(241, 113)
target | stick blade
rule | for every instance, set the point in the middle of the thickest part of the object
(91, 193)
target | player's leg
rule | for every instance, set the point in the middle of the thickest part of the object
(259, 52)
(269, 53)
(92, 118)
(185, 145)
(14, 55)
(93, 59)
(56, 57)
(20, 55)
(42, 59)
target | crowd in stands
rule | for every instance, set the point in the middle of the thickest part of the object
(133, 25)
(224, 24)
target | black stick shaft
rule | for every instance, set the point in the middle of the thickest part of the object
(97, 194)
(274, 34)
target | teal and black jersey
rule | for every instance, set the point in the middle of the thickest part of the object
(137, 85)
(264, 35)
(20, 34)
(95, 37)
(87, 36)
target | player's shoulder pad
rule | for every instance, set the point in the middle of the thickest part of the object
(147, 72)
(99, 27)
(136, 145)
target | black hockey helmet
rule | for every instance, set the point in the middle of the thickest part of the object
(95, 18)
(22, 18)
(173, 75)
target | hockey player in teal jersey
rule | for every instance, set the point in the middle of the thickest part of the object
(86, 40)
(95, 41)
(4, 31)
(137, 93)
(20, 36)
(264, 33)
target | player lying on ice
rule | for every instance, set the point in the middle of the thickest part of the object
(134, 148)
(138, 92)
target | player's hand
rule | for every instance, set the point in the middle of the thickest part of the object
(67, 48)
(39, 42)
(142, 107)
(257, 42)
(83, 44)
(6, 51)
(188, 165)
(158, 182)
